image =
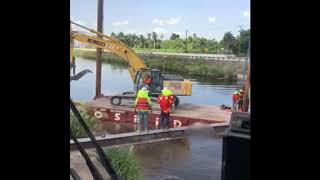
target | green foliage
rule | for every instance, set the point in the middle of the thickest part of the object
(124, 163)
(194, 69)
(228, 72)
(106, 57)
(75, 125)
(229, 42)
(176, 44)
(174, 36)
(244, 39)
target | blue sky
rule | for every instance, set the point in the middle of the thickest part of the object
(206, 18)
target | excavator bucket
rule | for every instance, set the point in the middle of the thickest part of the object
(80, 75)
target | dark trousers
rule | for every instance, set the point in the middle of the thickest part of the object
(240, 103)
(143, 120)
(164, 120)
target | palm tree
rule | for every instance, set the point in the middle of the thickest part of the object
(154, 37)
(135, 40)
(142, 41)
(113, 34)
(202, 44)
(149, 35)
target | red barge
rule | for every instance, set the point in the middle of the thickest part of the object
(184, 115)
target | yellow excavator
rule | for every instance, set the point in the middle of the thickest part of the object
(136, 66)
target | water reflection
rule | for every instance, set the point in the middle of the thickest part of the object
(162, 152)
(196, 156)
(190, 158)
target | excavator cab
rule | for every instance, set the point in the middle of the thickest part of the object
(154, 86)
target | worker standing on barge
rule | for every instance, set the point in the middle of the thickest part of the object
(165, 100)
(240, 101)
(143, 105)
(235, 100)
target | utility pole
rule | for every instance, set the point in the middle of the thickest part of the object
(99, 50)
(186, 50)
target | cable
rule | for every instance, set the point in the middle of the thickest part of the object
(105, 162)
(74, 174)
(94, 171)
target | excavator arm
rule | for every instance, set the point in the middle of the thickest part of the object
(109, 44)
(180, 87)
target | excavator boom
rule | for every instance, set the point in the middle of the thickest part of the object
(112, 45)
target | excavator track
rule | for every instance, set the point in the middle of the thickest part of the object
(126, 100)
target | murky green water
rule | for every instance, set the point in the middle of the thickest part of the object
(197, 156)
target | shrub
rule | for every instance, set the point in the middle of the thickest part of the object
(75, 125)
(124, 163)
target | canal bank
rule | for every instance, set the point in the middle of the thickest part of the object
(192, 68)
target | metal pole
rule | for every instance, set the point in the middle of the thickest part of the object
(99, 50)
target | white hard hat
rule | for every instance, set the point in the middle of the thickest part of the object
(165, 88)
(144, 89)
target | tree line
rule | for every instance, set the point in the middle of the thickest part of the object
(229, 44)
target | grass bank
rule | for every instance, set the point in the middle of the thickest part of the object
(198, 70)
(194, 69)
(124, 163)
(106, 57)
(90, 120)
